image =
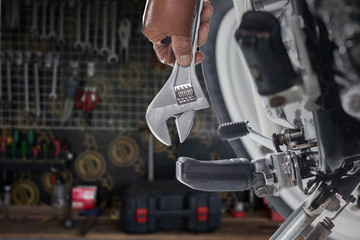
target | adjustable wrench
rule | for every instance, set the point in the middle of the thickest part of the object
(43, 30)
(61, 39)
(53, 94)
(34, 20)
(52, 33)
(78, 43)
(124, 37)
(96, 49)
(180, 97)
(113, 58)
(87, 44)
(104, 50)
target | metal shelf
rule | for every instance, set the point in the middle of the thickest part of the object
(33, 165)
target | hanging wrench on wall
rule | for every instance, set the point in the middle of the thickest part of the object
(104, 50)
(27, 56)
(43, 30)
(9, 59)
(61, 39)
(87, 45)
(78, 43)
(15, 20)
(36, 83)
(113, 58)
(124, 37)
(96, 49)
(34, 19)
(53, 94)
(52, 33)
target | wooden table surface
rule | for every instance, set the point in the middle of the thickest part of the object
(34, 222)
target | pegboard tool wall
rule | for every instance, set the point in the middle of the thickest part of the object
(124, 88)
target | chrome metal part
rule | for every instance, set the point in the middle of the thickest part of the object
(185, 93)
(301, 218)
(278, 171)
(350, 100)
(355, 167)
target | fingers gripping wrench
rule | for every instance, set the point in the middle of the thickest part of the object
(180, 97)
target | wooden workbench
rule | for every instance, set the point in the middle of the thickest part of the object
(36, 222)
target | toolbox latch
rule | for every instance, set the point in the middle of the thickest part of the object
(202, 213)
(141, 215)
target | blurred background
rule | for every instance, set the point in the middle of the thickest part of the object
(77, 158)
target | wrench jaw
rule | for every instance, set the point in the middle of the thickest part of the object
(158, 126)
(184, 123)
(165, 105)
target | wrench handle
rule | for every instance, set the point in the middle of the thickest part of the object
(37, 88)
(186, 73)
(61, 23)
(34, 29)
(8, 78)
(26, 86)
(43, 31)
(196, 27)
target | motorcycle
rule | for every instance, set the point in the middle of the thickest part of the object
(283, 78)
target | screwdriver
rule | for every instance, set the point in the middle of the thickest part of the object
(14, 145)
(3, 147)
(45, 151)
(31, 137)
(24, 149)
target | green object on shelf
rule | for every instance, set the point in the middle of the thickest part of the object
(16, 136)
(45, 151)
(31, 138)
(24, 150)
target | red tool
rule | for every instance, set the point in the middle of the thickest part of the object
(3, 146)
(87, 100)
(57, 148)
(35, 152)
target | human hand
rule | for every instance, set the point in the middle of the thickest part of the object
(168, 25)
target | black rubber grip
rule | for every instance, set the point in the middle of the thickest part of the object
(220, 175)
(232, 130)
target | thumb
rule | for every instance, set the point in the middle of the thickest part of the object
(182, 48)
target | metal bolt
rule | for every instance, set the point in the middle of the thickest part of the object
(262, 192)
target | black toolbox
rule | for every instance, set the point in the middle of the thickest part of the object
(169, 205)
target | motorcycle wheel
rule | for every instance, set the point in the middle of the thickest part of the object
(234, 98)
